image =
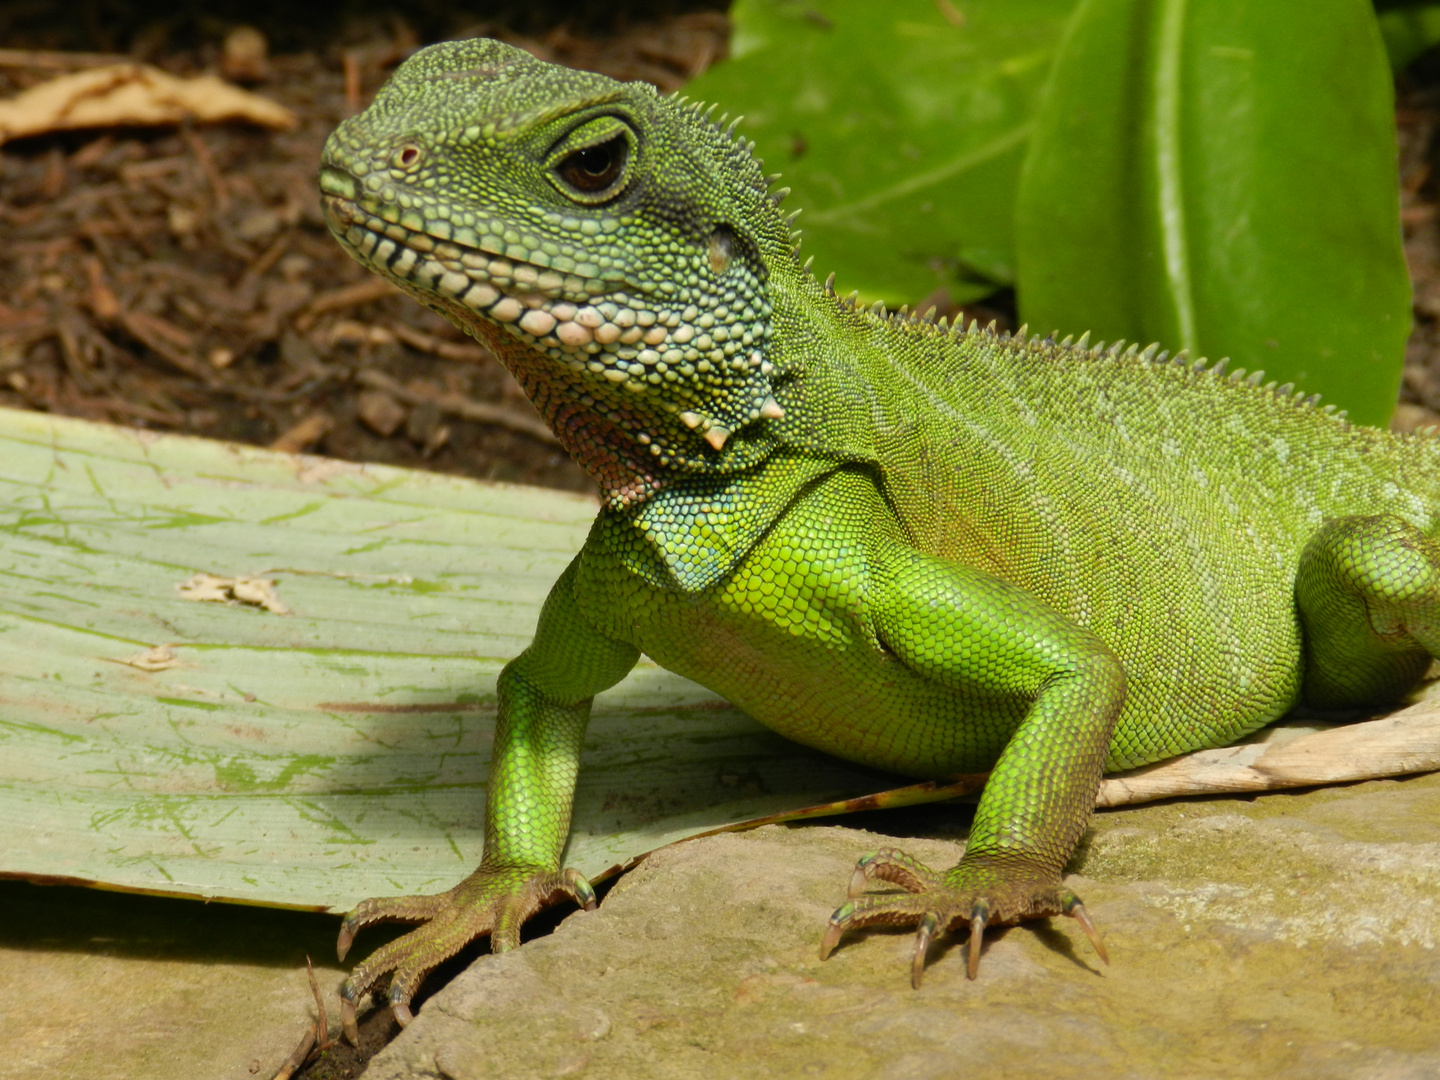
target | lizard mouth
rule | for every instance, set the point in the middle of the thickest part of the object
(555, 310)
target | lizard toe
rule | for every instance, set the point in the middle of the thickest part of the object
(894, 866)
(382, 909)
(884, 909)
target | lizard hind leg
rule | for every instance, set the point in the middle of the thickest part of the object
(1368, 593)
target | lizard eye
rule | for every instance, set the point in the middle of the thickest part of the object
(595, 170)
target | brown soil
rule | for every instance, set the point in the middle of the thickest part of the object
(1417, 116)
(184, 280)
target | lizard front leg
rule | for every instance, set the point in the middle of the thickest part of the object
(544, 707)
(987, 641)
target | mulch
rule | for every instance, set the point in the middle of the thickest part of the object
(184, 280)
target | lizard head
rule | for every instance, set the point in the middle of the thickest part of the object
(608, 243)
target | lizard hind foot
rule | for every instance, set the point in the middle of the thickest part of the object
(969, 894)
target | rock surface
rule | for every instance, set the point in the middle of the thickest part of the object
(1285, 936)
(104, 986)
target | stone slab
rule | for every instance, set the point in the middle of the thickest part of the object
(105, 986)
(1288, 935)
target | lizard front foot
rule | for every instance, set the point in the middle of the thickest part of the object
(977, 892)
(494, 901)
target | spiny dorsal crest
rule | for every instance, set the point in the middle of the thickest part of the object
(1150, 355)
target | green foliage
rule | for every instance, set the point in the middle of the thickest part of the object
(1221, 178)
(1409, 31)
(1210, 175)
(900, 133)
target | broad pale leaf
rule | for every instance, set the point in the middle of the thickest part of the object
(152, 740)
(155, 741)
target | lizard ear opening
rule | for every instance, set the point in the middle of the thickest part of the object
(721, 249)
(407, 157)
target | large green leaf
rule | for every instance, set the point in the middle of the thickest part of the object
(1220, 177)
(899, 127)
(313, 758)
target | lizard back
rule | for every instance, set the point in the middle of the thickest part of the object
(1162, 503)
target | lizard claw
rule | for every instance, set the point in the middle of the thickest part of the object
(347, 1020)
(833, 933)
(1076, 910)
(929, 922)
(977, 935)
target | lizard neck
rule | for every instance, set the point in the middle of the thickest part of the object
(652, 383)
(771, 378)
(820, 349)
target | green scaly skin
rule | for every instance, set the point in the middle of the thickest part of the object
(930, 550)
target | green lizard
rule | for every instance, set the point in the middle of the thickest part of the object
(932, 550)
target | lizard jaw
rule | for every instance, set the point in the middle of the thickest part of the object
(593, 328)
